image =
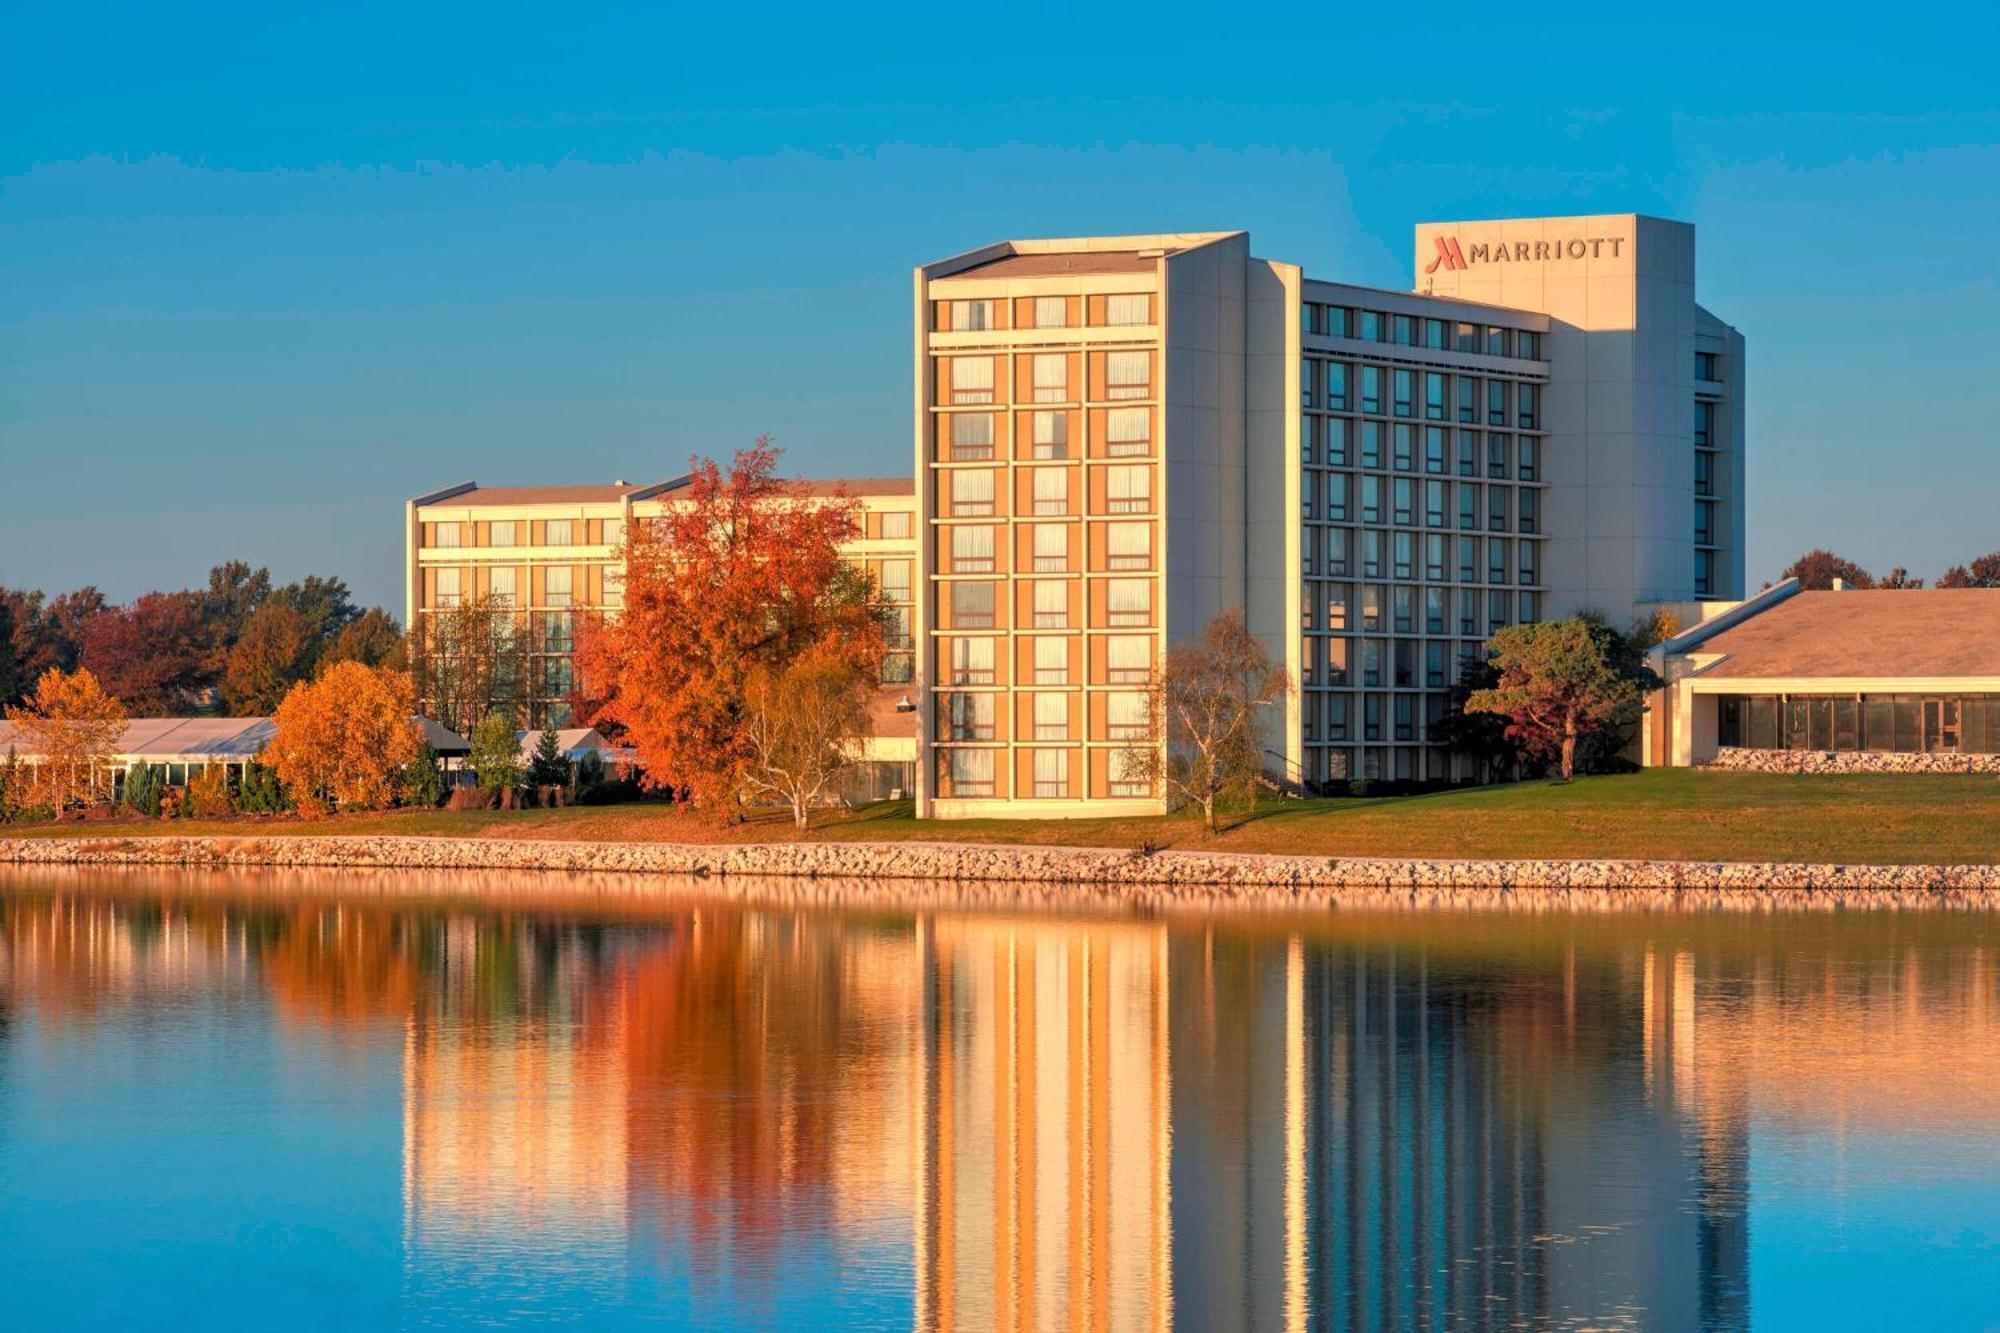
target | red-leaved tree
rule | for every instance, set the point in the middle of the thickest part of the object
(741, 574)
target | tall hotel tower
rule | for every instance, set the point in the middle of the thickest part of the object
(1118, 437)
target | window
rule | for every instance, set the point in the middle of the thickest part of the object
(1468, 561)
(969, 772)
(1465, 338)
(1527, 399)
(1434, 333)
(1704, 425)
(1371, 665)
(1496, 559)
(1468, 453)
(1128, 308)
(1127, 716)
(1338, 322)
(1405, 549)
(1051, 490)
(1371, 499)
(449, 586)
(1128, 659)
(1337, 486)
(1704, 474)
(896, 525)
(1406, 331)
(971, 494)
(971, 316)
(557, 532)
(971, 661)
(1128, 489)
(971, 437)
(1406, 448)
(501, 533)
(972, 551)
(971, 379)
(1434, 506)
(1371, 326)
(1433, 395)
(1051, 377)
(1434, 451)
(1128, 601)
(1128, 431)
(1468, 507)
(1704, 572)
(1371, 390)
(1496, 342)
(614, 585)
(614, 531)
(556, 587)
(1403, 612)
(1052, 668)
(1434, 612)
(1051, 548)
(1496, 402)
(1337, 434)
(1468, 399)
(1371, 606)
(446, 534)
(1527, 563)
(1496, 508)
(1051, 312)
(1403, 511)
(1526, 505)
(1527, 453)
(1051, 713)
(1405, 382)
(1336, 667)
(1051, 438)
(1371, 444)
(1496, 456)
(972, 604)
(1127, 374)
(1436, 555)
(1707, 366)
(500, 584)
(967, 717)
(895, 580)
(1337, 551)
(1371, 554)
(1051, 773)
(1336, 386)
(1128, 545)
(1051, 605)
(1131, 774)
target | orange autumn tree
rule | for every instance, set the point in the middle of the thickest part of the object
(69, 726)
(344, 738)
(741, 576)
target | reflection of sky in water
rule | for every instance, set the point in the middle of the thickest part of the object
(241, 1113)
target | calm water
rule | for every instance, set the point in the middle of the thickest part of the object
(221, 1108)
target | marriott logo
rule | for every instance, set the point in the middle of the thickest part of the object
(1450, 256)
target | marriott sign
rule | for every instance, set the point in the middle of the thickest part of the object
(1451, 256)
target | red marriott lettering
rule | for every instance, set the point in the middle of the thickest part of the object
(1450, 256)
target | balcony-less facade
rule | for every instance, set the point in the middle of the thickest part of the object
(1117, 437)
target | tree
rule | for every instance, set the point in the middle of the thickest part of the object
(423, 784)
(1817, 569)
(743, 572)
(1981, 573)
(261, 793)
(144, 785)
(344, 738)
(1899, 578)
(1480, 737)
(803, 719)
(72, 727)
(1208, 704)
(152, 654)
(323, 602)
(12, 782)
(471, 660)
(372, 638)
(548, 766)
(495, 758)
(9, 683)
(274, 653)
(235, 592)
(1561, 682)
(47, 633)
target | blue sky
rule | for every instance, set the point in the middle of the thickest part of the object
(265, 273)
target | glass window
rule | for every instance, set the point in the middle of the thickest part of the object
(1371, 444)
(972, 603)
(1127, 431)
(1496, 456)
(1371, 499)
(1468, 399)
(1051, 548)
(1406, 330)
(1128, 601)
(1436, 555)
(1371, 389)
(1127, 374)
(1468, 453)
(1051, 377)
(1051, 605)
(1405, 383)
(1127, 716)
(970, 772)
(1704, 425)
(1528, 400)
(1528, 451)
(1339, 321)
(556, 585)
(1371, 326)
(1336, 497)
(1336, 386)
(1051, 490)
(1051, 766)
(971, 316)
(1496, 402)
(449, 586)
(1128, 489)
(1433, 394)
(1435, 333)
(971, 436)
(971, 379)
(1496, 560)
(500, 584)
(1406, 448)
(1128, 308)
(1052, 668)
(502, 533)
(1496, 342)
(1404, 493)
(558, 532)
(971, 493)
(1527, 559)
(1337, 432)
(971, 661)
(1525, 504)
(1434, 506)
(967, 717)
(1128, 545)
(1466, 338)
(895, 580)
(972, 550)
(1128, 659)
(1468, 507)
(444, 535)
(1371, 553)
(1434, 614)
(1434, 451)
(1337, 552)
(1051, 439)
(1051, 312)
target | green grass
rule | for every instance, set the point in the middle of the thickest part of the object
(1662, 813)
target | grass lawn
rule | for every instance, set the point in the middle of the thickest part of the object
(1661, 813)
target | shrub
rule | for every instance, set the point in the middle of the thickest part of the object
(423, 784)
(208, 794)
(496, 754)
(144, 786)
(261, 793)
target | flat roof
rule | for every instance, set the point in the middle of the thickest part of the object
(542, 495)
(859, 487)
(1879, 632)
(1063, 263)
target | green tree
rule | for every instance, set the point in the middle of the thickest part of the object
(145, 784)
(372, 638)
(261, 793)
(548, 766)
(10, 788)
(1561, 682)
(495, 758)
(1480, 737)
(423, 784)
(274, 653)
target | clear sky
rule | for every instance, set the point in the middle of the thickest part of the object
(265, 272)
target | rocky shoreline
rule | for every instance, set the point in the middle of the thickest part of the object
(1098, 871)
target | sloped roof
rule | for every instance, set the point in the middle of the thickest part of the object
(571, 743)
(161, 739)
(1877, 632)
(1063, 263)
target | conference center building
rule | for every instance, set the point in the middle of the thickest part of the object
(1118, 437)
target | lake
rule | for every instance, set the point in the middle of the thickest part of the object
(254, 1100)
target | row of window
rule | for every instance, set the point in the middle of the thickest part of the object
(1341, 497)
(1339, 663)
(1338, 386)
(1339, 321)
(970, 716)
(974, 548)
(1903, 723)
(1341, 442)
(1370, 717)
(452, 585)
(1402, 763)
(969, 437)
(973, 492)
(969, 774)
(1128, 660)
(973, 603)
(511, 532)
(1372, 554)
(970, 379)
(980, 314)
(1343, 608)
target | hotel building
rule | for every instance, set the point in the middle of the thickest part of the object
(1118, 437)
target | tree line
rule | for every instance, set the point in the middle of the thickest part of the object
(1818, 568)
(237, 645)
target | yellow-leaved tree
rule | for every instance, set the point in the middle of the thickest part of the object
(70, 728)
(343, 739)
